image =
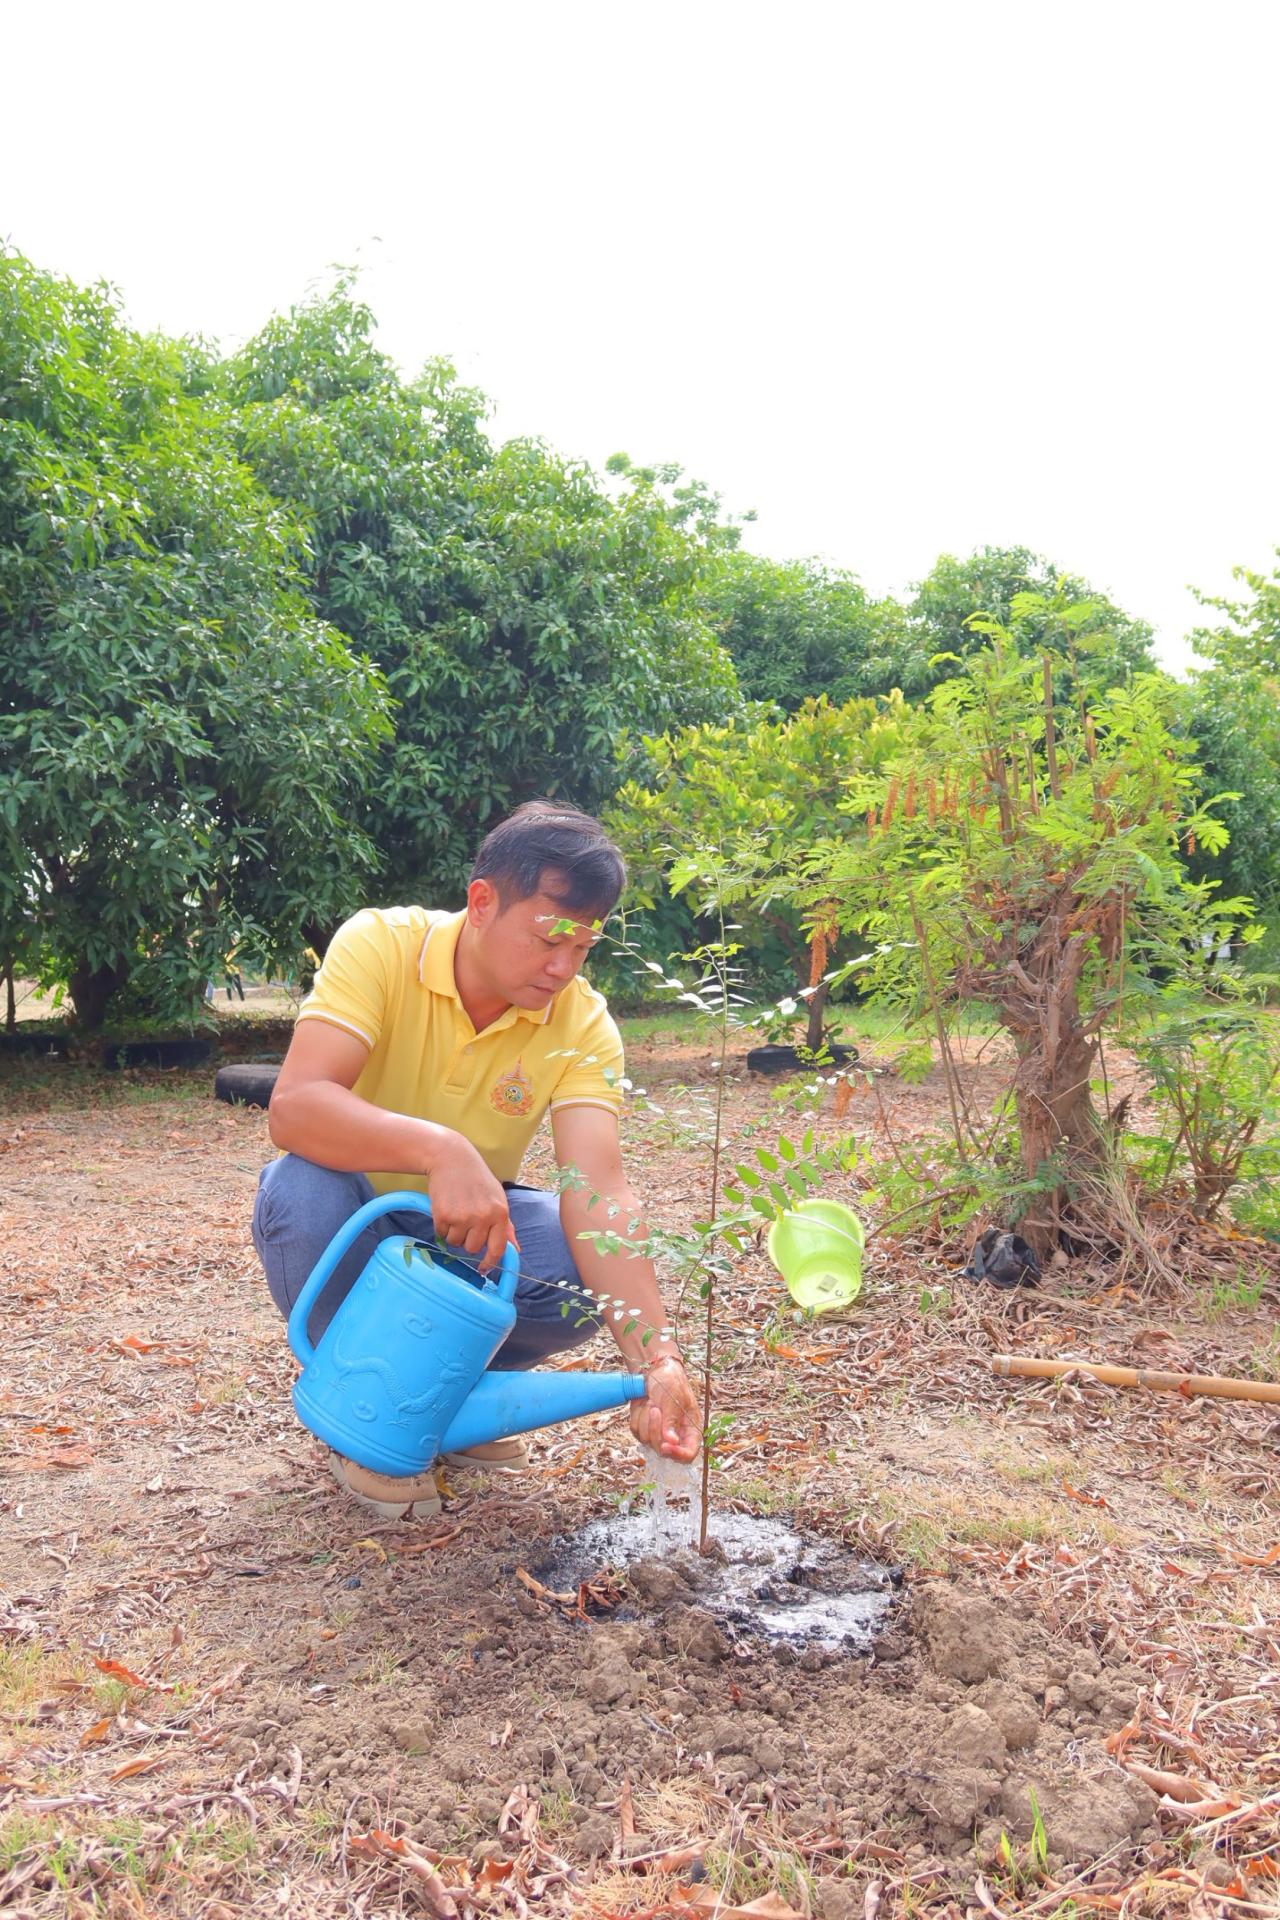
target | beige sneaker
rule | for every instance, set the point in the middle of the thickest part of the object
(492, 1456)
(415, 1498)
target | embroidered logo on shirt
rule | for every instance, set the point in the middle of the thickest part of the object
(513, 1094)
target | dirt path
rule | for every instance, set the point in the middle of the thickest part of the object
(219, 1687)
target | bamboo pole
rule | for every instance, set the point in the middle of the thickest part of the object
(1029, 1367)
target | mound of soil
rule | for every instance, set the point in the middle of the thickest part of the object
(964, 1719)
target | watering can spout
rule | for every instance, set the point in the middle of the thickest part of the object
(503, 1404)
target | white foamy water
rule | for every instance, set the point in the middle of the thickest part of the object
(764, 1576)
(675, 1501)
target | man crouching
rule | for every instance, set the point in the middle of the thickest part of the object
(425, 1058)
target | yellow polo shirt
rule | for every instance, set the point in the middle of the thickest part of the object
(388, 978)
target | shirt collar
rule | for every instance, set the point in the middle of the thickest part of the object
(435, 971)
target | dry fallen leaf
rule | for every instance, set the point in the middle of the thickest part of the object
(119, 1672)
(132, 1767)
(428, 1546)
(1085, 1499)
(1178, 1786)
(769, 1906)
(435, 1896)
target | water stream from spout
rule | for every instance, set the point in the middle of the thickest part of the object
(675, 1501)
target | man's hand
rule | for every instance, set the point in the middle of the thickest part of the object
(468, 1206)
(668, 1419)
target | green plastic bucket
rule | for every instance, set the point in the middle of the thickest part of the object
(817, 1248)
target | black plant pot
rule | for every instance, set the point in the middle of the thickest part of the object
(775, 1059)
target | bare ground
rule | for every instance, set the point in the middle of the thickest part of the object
(223, 1694)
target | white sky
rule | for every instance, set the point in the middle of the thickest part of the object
(905, 278)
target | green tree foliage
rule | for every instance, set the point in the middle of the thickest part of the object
(522, 616)
(1214, 1061)
(180, 737)
(799, 630)
(1234, 716)
(766, 789)
(940, 619)
(691, 504)
(1025, 850)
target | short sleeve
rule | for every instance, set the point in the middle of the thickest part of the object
(351, 986)
(592, 1075)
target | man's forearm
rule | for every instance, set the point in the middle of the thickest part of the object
(626, 1277)
(335, 1128)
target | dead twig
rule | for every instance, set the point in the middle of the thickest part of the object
(546, 1594)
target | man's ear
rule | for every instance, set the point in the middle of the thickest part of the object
(483, 904)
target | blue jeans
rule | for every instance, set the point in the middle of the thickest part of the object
(300, 1207)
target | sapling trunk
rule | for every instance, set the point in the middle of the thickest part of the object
(1054, 1102)
(711, 1278)
(11, 1008)
(817, 1015)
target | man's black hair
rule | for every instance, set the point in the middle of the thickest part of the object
(547, 847)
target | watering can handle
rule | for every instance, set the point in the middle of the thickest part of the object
(346, 1235)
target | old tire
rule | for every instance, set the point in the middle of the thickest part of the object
(44, 1045)
(776, 1059)
(246, 1085)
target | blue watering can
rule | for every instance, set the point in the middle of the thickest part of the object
(399, 1378)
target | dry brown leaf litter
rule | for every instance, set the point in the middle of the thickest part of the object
(224, 1693)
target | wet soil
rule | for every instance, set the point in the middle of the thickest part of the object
(760, 1577)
